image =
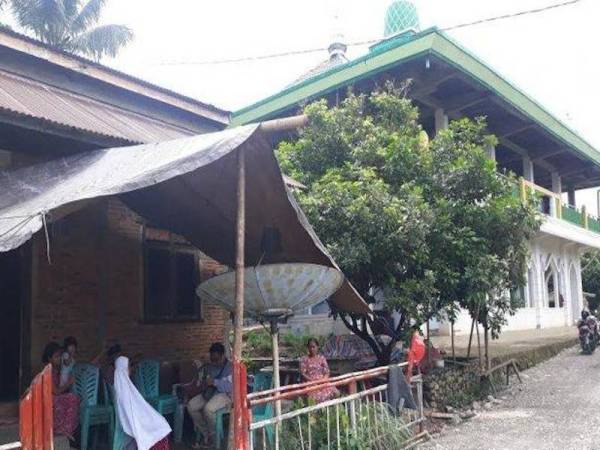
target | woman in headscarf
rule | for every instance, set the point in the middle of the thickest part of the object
(142, 423)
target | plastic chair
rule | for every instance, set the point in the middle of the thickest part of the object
(119, 437)
(262, 382)
(146, 379)
(87, 378)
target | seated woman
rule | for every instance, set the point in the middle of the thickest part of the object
(65, 404)
(314, 367)
(146, 428)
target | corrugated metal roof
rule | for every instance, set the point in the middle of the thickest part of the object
(31, 98)
(76, 63)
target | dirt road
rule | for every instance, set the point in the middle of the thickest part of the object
(557, 408)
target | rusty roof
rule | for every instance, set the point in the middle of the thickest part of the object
(25, 97)
(32, 47)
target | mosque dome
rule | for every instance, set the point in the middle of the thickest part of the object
(401, 16)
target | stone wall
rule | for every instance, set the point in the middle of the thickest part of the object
(452, 385)
(458, 386)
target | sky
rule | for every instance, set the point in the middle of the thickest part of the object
(552, 56)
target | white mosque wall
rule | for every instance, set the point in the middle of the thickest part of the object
(554, 262)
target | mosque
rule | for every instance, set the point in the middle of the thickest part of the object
(449, 82)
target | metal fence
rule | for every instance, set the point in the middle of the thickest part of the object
(358, 419)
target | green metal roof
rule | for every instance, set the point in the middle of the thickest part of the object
(428, 42)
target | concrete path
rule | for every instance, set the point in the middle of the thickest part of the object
(557, 407)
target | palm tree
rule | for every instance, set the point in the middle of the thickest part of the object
(70, 25)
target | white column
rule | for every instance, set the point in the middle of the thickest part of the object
(538, 284)
(491, 152)
(441, 120)
(557, 189)
(556, 183)
(579, 298)
(528, 169)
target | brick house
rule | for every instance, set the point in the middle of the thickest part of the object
(107, 276)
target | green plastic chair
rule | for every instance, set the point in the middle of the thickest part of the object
(146, 379)
(87, 378)
(262, 382)
(119, 437)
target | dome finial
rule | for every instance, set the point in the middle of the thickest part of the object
(401, 16)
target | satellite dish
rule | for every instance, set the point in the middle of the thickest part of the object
(275, 291)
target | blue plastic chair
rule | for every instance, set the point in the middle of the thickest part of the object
(146, 379)
(119, 437)
(87, 378)
(262, 382)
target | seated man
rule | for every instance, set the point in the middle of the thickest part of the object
(210, 392)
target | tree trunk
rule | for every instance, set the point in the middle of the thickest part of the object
(478, 344)
(470, 338)
(452, 338)
(487, 344)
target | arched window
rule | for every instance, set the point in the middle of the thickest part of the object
(552, 286)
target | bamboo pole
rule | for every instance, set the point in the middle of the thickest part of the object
(276, 381)
(286, 124)
(238, 429)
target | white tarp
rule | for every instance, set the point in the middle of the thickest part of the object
(187, 186)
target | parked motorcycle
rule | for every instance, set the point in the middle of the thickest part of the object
(589, 333)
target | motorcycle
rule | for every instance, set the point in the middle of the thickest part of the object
(589, 336)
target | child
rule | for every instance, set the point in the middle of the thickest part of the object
(67, 360)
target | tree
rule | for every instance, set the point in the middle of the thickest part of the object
(590, 278)
(406, 218)
(70, 25)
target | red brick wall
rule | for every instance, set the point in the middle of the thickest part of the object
(94, 290)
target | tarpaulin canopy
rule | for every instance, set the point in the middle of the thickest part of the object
(187, 186)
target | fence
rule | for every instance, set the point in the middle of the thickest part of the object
(35, 414)
(359, 418)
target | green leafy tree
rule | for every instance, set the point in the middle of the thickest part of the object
(70, 25)
(412, 223)
(590, 278)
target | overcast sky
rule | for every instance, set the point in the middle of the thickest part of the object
(552, 56)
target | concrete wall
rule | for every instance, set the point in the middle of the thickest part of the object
(546, 251)
(93, 289)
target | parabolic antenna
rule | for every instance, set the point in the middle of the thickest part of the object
(274, 290)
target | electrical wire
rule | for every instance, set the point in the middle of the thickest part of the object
(361, 43)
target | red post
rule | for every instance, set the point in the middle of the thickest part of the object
(244, 404)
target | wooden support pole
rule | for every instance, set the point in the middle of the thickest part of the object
(286, 124)
(238, 424)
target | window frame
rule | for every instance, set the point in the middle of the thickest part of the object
(173, 248)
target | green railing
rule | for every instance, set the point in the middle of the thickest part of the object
(594, 224)
(571, 214)
(552, 206)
